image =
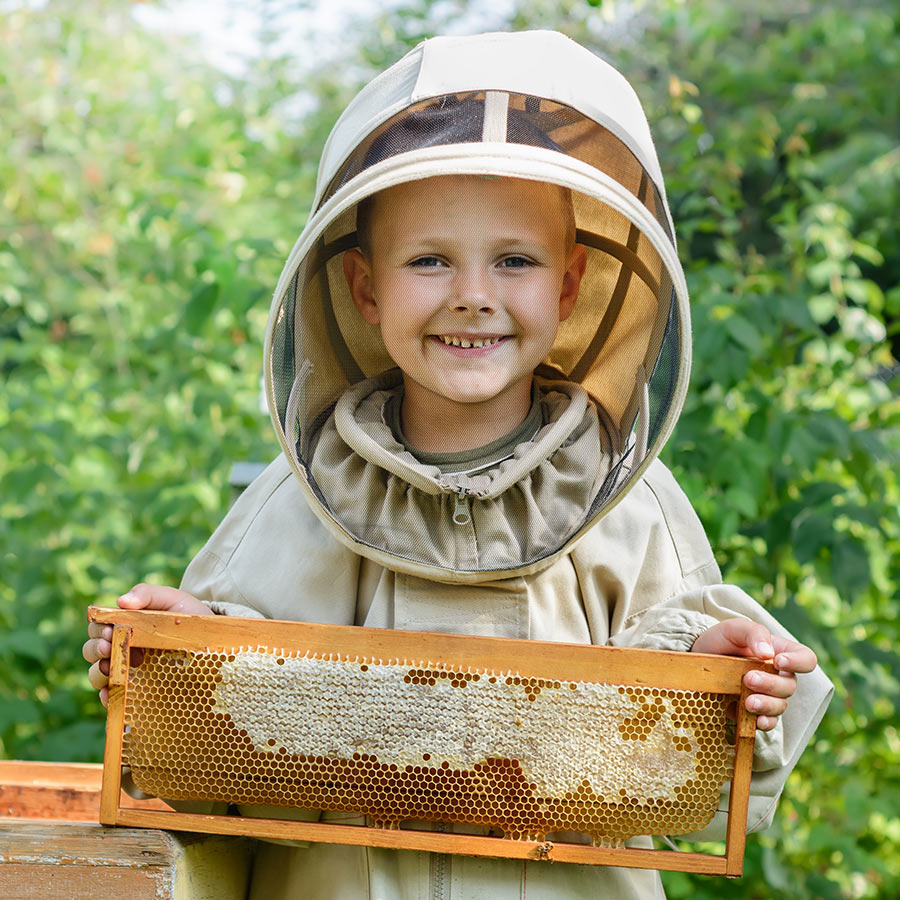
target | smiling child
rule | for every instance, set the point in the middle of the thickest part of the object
(476, 351)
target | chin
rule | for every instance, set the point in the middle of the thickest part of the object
(470, 397)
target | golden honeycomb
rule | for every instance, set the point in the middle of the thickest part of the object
(406, 740)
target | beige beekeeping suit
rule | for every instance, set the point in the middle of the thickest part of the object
(581, 534)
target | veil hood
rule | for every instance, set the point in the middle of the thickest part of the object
(531, 105)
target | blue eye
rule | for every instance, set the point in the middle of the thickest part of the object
(516, 262)
(427, 262)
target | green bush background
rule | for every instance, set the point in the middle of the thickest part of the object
(147, 202)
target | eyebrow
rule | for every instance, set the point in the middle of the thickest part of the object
(507, 240)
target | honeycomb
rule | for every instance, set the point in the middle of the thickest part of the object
(404, 740)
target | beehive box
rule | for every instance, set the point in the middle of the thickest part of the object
(76, 861)
(524, 741)
(49, 851)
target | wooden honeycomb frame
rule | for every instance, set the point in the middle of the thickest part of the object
(516, 671)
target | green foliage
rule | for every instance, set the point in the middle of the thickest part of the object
(142, 223)
(145, 209)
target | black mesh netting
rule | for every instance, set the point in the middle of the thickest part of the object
(664, 376)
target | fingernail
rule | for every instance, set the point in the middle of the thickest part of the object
(754, 678)
(754, 703)
(765, 649)
(781, 662)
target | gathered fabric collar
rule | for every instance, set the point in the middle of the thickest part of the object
(508, 516)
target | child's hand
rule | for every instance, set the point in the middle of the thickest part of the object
(741, 637)
(98, 647)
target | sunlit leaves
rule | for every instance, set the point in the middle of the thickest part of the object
(137, 236)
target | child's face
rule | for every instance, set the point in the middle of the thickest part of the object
(468, 280)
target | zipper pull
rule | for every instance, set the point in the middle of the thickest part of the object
(461, 512)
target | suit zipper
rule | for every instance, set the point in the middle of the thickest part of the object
(462, 513)
(440, 869)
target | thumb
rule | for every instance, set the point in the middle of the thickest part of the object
(161, 598)
(754, 637)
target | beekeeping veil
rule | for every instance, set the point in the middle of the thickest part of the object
(531, 105)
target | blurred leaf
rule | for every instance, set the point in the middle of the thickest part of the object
(812, 531)
(17, 711)
(200, 306)
(744, 332)
(850, 567)
(24, 644)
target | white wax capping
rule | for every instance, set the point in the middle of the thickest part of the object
(564, 738)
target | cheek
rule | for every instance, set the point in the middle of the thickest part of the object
(401, 326)
(397, 349)
(410, 306)
(540, 316)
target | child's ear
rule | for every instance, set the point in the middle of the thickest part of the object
(358, 273)
(575, 266)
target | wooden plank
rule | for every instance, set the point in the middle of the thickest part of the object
(43, 881)
(573, 662)
(88, 845)
(48, 791)
(439, 842)
(77, 776)
(84, 862)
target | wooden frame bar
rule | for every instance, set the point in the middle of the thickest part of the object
(115, 724)
(736, 832)
(436, 842)
(645, 668)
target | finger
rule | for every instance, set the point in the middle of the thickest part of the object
(781, 685)
(95, 650)
(764, 705)
(98, 630)
(97, 677)
(142, 596)
(794, 657)
(766, 723)
(104, 696)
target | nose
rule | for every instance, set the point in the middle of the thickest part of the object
(471, 292)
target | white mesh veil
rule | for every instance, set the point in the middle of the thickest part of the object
(485, 105)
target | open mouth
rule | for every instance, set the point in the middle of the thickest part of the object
(452, 340)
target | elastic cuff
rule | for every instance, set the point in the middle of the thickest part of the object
(221, 608)
(675, 630)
